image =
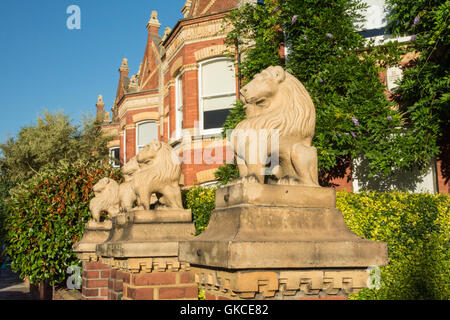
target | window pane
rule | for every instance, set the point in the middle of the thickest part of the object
(215, 119)
(114, 155)
(147, 132)
(218, 77)
(179, 91)
(211, 104)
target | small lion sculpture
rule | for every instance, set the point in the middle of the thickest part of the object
(127, 194)
(275, 101)
(159, 174)
(106, 199)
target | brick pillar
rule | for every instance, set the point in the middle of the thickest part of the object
(115, 284)
(143, 251)
(95, 281)
(160, 286)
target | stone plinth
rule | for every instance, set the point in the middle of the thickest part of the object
(147, 233)
(279, 241)
(142, 250)
(94, 234)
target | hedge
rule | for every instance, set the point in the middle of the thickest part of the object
(415, 226)
(47, 215)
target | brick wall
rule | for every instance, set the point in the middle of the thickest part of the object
(95, 281)
(160, 286)
(115, 284)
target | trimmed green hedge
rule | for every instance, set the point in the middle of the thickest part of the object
(47, 215)
(417, 230)
(415, 226)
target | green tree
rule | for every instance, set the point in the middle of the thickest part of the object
(52, 139)
(46, 216)
(341, 72)
(424, 92)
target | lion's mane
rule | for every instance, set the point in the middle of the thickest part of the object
(291, 111)
(163, 168)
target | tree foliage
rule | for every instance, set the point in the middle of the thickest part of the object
(341, 71)
(46, 216)
(424, 92)
(52, 139)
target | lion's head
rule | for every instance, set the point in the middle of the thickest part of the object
(104, 184)
(161, 159)
(275, 99)
(130, 168)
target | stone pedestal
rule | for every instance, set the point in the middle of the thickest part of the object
(95, 275)
(280, 242)
(142, 250)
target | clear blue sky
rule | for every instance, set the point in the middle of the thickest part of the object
(46, 66)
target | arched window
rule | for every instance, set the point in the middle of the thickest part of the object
(146, 132)
(217, 93)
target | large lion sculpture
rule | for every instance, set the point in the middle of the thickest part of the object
(159, 174)
(106, 199)
(276, 102)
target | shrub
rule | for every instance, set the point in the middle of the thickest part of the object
(47, 215)
(416, 228)
(201, 201)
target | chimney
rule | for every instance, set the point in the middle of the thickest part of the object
(123, 79)
(153, 24)
(124, 70)
(186, 8)
(100, 116)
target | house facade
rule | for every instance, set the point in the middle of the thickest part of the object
(184, 89)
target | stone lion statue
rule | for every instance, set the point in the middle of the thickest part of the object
(127, 194)
(159, 174)
(275, 101)
(106, 199)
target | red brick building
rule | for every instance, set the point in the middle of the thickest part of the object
(182, 94)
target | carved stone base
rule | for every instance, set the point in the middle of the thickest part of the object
(279, 284)
(94, 234)
(256, 246)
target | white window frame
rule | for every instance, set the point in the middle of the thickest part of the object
(178, 106)
(201, 97)
(371, 13)
(137, 133)
(111, 161)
